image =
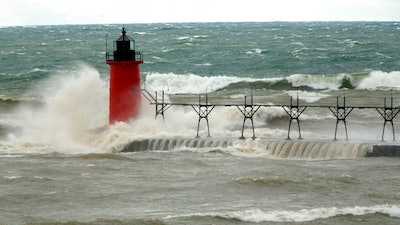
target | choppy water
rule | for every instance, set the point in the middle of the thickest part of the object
(56, 149)
(183, 187)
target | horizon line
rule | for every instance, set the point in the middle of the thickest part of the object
(203, 22)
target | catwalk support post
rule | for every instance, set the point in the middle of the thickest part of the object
(248, 111)
(341, 113)
(388, 113)
(294, 112)
(203, 110)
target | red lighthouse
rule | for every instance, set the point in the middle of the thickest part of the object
(124, 64)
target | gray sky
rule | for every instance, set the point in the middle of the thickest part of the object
(39, 12)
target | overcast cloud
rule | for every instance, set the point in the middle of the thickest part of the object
(40, 12)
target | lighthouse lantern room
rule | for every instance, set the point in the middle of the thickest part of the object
(125, 97)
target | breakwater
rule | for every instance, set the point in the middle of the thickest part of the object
(295, 149)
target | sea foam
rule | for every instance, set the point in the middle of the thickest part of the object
(381, 80)
(195, 84)
(73, 116)
(304, 215)
(74, 103)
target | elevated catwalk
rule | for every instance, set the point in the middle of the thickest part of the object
(278, 148)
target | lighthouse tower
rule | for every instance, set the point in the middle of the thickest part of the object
(124, 64)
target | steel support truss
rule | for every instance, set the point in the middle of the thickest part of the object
(388, 113)
(203, 110)
(294, 111)
(248, 111)
(341, 113)
(161, 107)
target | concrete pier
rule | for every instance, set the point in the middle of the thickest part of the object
(301, 149)
(379, 150)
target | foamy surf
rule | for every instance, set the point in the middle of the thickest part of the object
(68, 121)
(305, 215)
(195, 84)
(72, 104)
(75, 105)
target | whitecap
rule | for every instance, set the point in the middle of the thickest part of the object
(306, 215)
(12, 177)
(381, 80)
(306, 96)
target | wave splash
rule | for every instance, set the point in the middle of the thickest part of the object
(195, 84)
(72, 118)
(72, 105)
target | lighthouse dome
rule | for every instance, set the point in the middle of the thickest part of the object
(124, 47)
(124, 36)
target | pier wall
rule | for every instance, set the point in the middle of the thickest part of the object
(298, 149)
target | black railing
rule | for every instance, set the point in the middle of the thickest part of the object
(134, 55)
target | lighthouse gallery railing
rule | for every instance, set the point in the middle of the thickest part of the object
(138, 56)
